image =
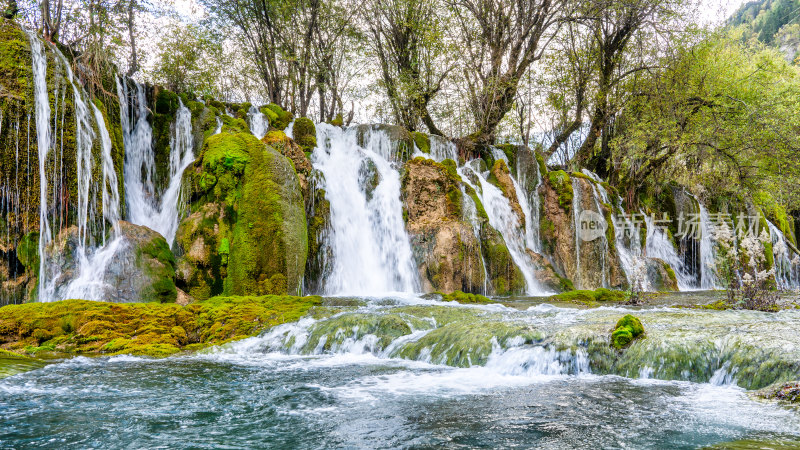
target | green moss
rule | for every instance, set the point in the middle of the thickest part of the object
(561, 182)
(305, 134)
(167, 102)
(478, 204)
(627, 329)
(463, 297)
(337, 121)
(601, 295)
(152, 329)
(422, 141)
(282, 117)
(541, 163)
(163, 273)
(510, 150)
(776, 213)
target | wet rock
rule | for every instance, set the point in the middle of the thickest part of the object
(661, 275)
(445, 247)
(142, 269)
(246, 232)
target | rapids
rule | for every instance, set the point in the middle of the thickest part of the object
(403, 370)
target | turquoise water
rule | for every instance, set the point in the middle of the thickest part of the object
(280, 391)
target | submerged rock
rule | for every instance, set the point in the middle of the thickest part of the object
(246, 232)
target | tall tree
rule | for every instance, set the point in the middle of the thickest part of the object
(500, 40)
(407, 38)
(614, 24)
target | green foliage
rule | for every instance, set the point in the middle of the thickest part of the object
(720, 117)
(188, 60)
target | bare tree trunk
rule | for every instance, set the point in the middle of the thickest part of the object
(134, 67)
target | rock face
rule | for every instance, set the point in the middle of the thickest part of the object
(142, 269)
(501, 177)
(661, 275)
(589, 264)
(445, 248)
(246, 232)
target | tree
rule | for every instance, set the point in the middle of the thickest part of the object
(52, 14)
(187, 60)
(408, 41)
(500, 40)
(296, 46)
(614, 24)
(719, 114)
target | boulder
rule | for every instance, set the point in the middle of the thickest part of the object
(246, 232)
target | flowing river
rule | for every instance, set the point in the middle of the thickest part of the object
(411, 372)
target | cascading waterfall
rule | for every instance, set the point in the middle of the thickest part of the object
(43, 141)
(576, 209)
(259, 124)
(218, 130)
(530, 202)
(370, 247)
(506, 221)
(708, 274)
(93, 262)
(469, 213)
(786, 265)
(145, 205)
(442, 149)
(658, 245)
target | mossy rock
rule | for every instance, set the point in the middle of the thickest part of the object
(561, 182)
(246, 193)
(589, 297)
(627, 329)
(463, 297)
(305, 134)
(422, 141)
(278, 117)
(152, 329)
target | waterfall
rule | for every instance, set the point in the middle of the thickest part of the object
(442, 149)
(145, 205)
(469, 214)
(659, 246)
(506, 221)
(93, 262)
(785, 266)
(530, 202)
(576, 209)
(370, 247)
(43, 143)
(218, 130)
(92, 259)
(259, 125)
(708, 274)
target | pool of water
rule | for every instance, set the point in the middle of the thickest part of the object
(285, 389)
